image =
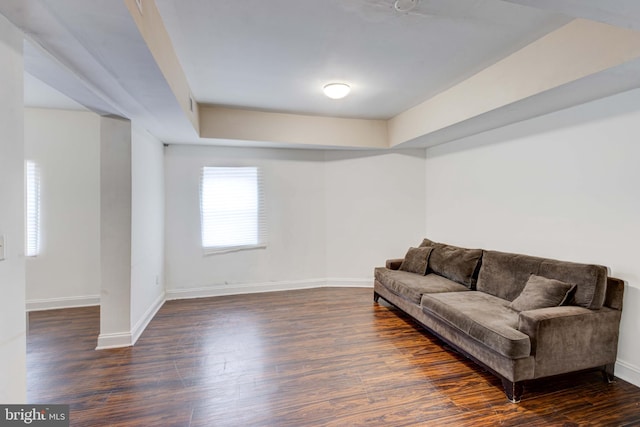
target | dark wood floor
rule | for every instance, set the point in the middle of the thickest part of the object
(319, 357)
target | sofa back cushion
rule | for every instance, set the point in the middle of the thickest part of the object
(505, 274)
(454, 263)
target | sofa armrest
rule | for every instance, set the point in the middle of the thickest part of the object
(394, 264)
(570, 338)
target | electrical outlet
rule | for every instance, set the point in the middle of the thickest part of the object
(1, 248)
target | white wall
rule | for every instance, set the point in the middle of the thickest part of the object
(332, 216)
(147, 229)
(66, 146)
(294, 197)
(13, 377)
(375, 209)
(565, 185)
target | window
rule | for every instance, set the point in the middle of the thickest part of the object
(32, 172)
(231, 209)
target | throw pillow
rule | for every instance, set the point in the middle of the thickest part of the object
(427, 242)
(540, 292)
(416, 259)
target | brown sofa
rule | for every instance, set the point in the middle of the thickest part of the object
(521, 317)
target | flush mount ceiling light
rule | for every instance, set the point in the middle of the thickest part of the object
(404, 5)
(336, 90)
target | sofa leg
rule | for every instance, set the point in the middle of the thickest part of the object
(607, 373)
(376, 297)
(512, 390)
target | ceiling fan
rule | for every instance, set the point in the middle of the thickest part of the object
(380, 10)
(389, 7)
(405, 6)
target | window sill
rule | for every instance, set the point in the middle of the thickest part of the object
(226, 250)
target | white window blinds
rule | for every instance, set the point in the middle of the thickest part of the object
(32, 172)
(231, 209)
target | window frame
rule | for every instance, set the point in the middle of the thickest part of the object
(33, 209)
(261, 229)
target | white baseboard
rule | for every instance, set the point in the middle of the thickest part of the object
(333, 282)
(64, 302)
(117, 340)
(248, 288)
(141, 325)
(129, 338)
(627, 372)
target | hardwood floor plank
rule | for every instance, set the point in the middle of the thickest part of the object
(316, 357)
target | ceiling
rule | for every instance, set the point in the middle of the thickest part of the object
(278, 54)
(38, 94)
(274, 56)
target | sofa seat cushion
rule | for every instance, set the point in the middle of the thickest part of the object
(484, 317)
(412, 286)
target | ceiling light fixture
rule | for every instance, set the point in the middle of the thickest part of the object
(336, 90)
(404, 5)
